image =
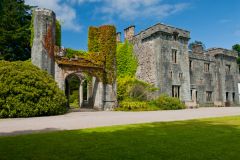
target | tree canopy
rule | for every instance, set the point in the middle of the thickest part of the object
(196, 42)
(236, 47)
(15, 30)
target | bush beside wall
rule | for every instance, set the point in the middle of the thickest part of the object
(27, 91)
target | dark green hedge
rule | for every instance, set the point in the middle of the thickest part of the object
(26, 91)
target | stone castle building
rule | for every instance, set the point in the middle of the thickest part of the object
(205, 77)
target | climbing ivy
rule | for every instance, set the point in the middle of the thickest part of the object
(93, 39)
(126, 60)
(108, 47)
(32, 29)
(58, 34)
(71, 53)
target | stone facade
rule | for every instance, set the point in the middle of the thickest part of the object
(99, 96)
(43, 20)
(196, 77)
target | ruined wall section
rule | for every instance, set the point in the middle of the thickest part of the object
(42, 54)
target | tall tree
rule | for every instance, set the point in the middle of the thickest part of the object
(236, 47)
(15, 30)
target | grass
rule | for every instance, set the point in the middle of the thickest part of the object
(205, 139)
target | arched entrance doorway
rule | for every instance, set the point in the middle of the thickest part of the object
(78, 90)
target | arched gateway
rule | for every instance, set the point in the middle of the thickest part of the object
(99, 65)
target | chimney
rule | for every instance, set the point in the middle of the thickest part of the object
(197, 48)
(129, 33)
(118, 37)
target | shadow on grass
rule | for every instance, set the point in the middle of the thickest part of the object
(217, 139)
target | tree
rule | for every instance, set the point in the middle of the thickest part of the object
(196, 42)
(236, 47)
(15, 30)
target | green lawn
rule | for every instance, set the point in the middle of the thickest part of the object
(206, 139)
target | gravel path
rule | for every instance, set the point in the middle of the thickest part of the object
(80, 120)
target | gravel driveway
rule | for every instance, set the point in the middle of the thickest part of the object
(80, 120)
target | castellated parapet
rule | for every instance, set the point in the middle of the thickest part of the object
(42, 55)
(129, 32)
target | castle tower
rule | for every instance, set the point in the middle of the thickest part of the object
(129, 32)
(118, 37)
(44, 24)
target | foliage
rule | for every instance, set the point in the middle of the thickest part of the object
(236, 47)
(196, 42)
(238, 60)
(132, 106)
(201, 139)
(26, 91)
(71, 53)
(15, 30)
(74, 99)
(165, 102)
(132, 88)
(93, 39)
(58, 33)
(108, 48)
(126, 60)
(32, 30)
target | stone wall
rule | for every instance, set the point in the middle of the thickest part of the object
(202, 76)
(153, 48)
(43, 20)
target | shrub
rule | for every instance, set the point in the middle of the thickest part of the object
(165, 102)
(132, 88)
(132, 106)
(71, 53)
(26, 91)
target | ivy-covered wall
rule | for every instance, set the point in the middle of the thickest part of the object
(126, 60)
(102, 46)
(108, 48)
(93, 39)
(58, 34)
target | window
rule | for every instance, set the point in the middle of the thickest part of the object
(228, 68)
(174, 56)
(206, 67)
(170, 74)
(190, 65)
(196, 96)
(191, 94)
(227, 98)
(175, 36)
(233, 97)
(180, 75)
(208, 96)
(176, 91)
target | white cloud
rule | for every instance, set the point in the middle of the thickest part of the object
(133, 9)
(64, 12)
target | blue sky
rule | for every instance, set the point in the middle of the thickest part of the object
(214, 22)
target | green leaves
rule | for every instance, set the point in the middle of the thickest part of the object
(14, 30)
(58, 34)
(126, 60)
(27, 91)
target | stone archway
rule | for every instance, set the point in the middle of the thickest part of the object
(85, 90)
(99, 64)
